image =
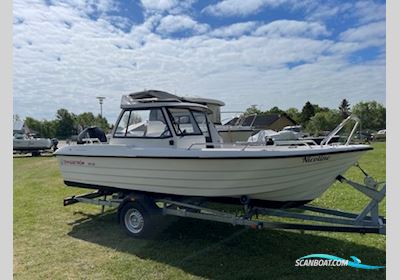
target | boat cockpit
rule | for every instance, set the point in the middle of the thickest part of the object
(151, 121)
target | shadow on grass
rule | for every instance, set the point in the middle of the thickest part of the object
(219, 251)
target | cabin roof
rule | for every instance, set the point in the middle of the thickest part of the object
(127, 103)
(149, 96)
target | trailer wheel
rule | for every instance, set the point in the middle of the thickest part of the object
(136, 221)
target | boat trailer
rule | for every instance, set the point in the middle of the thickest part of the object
(136, 211)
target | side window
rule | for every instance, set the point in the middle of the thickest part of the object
(184, 122)
(143, 123)
(201, 120)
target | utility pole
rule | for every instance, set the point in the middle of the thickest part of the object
(101, 98)
(360, 125)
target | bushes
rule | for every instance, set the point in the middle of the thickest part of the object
(66, 124)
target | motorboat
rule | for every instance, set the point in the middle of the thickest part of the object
(24, 143)
(263, 136)
(234, 131)
(169, 146)
(297, 131)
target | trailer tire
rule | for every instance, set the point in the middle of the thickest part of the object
(135, 220)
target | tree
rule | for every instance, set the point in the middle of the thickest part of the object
(48, 129)
(372, 115)
(307, 113)
(275, 110)
(33, 125)
(344, 108)
(65, 121)
(43, 128)
(318, 109)
(66, 124)
(324, 121)
(252, 110)
(85, 120)
(102, 123)
(294, 114)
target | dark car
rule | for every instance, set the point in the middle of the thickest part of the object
(363, 136)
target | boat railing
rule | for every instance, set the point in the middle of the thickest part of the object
(308, 142)
(290, 143)
(332, 134)
(244, 145)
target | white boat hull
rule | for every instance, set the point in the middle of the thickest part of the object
(273, 178)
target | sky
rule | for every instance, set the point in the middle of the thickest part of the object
(263, 52)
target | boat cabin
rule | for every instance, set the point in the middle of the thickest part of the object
(159, 119)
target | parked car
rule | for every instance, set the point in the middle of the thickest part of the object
(363, 136)
(380, 135)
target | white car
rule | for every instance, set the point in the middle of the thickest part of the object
(380, 135)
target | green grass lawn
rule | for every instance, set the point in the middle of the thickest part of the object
(74, 242)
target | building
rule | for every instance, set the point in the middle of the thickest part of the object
(263, 122)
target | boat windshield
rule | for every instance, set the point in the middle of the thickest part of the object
(143, 123)
(184, 122)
